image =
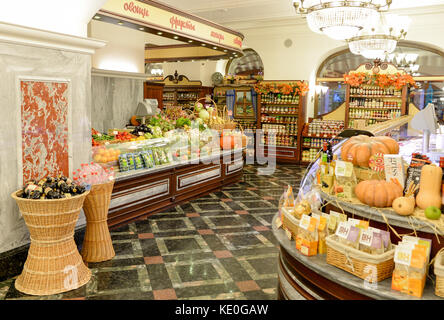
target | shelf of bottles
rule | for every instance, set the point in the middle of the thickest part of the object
(279, 114)
(187, 96)
(169, 96)
(373, 104)
(316, 133)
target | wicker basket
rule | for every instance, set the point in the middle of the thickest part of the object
(439, 273)
(54, 264)
(358, 263)
(97, 244)
(289, 222)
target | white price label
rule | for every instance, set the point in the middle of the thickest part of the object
(366, 238)
(305, 222)
(343, 230)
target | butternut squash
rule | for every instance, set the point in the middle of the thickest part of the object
(429, 187)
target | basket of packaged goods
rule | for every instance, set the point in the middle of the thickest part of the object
(439, 273)
(51, 208)
(365, 253)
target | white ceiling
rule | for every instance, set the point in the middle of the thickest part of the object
(232, 12)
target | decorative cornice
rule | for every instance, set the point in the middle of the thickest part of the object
(11, 33)
(118, 74)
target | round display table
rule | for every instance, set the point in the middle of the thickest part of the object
(54, 264)
(97, 244)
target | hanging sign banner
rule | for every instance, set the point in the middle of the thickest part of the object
(162, 17)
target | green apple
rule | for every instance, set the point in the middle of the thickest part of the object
(433, 213)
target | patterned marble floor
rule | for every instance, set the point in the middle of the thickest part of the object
(217, 247)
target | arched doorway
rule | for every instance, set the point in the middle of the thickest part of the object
(249, 64)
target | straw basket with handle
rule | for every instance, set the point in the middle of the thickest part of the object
(439, 273)
(219, 120)
(370, 267)
(97, 244)
(54, 264)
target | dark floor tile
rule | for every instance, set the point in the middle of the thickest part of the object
(256, 204)
(174, 245)
(270, 236)
(250, 219)
(206, 290)
(234, 205)
(268, 283)
(138, 295)
(243, 240)
(159, 277)
(13, 293)
(235, 269)
(187, 208)
(149, 247)
(264, 266)
(199, 223)
(210, 207)
(124, 228)
(214, 242)
(197, 272)
(225, 221)
(143, 226)
(174, 233)
(234, 230)
(117, 280)
(77, 293)
(171, 224)
(123, 248)
(188, 257)
(123, 236)
(116, 263)
(240, 194)
(254, 252)
(259, 295)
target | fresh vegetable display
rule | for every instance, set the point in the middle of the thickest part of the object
(181, 122)
(124, 136)
(141, 130)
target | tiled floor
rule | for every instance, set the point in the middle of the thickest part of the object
(217, 247)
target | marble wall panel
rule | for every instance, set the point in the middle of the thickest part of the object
(44, 124)
(114, 101)
(25, 62)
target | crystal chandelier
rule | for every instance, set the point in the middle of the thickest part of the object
(380, 36)
(339, 19)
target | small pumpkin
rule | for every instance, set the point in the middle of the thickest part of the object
(429, 187)
(404, 206)
(359, 149)
(378, 193)
(134, 121)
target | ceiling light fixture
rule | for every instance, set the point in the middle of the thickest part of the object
(120, 23)
(141, 28)
(339, 19)
(203, 44)
(190, 41)
(380, 37)
(214, 48)
(97, 17)
(159, 33)
(176, 37)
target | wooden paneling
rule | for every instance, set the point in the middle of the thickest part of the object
(154, 90)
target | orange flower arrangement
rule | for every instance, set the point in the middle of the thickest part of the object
(397, 80)
(296, 88)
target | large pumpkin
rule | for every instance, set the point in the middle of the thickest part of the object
(360, 148)
(378, 193)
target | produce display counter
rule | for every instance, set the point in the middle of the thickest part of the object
(314, 279)
(144, 192)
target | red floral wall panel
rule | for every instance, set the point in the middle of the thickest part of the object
(44, 124)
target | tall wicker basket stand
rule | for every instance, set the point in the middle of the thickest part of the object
(54, 264)
(97, 244)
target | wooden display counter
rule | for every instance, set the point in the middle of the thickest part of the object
(145, 192)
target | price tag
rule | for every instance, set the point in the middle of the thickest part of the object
(403, 255)
(304, 223)
(288, 234)
(230, 113)
(115, 132)
(366, 238)
(343, 230)
(278, 222)
(141, 133)
(353, 222)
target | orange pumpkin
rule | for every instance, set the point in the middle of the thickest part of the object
(360, 148)
(134, 121)
(378, 193)
(226, 142)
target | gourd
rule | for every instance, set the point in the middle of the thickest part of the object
(429, 187)
(405, 206)
(359, 149)
(378, 193)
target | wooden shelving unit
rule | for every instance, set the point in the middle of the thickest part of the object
(287, 115)
(367, 105)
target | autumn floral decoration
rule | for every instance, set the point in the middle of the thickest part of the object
(293, 88)
(397, 80)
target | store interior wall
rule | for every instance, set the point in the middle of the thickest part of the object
(198, 70)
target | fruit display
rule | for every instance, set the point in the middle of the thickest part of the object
(430, 187)
(405, 205)
(141, 130)
(124, 136)
(359, 149)
(50, 188)
(105, 155)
